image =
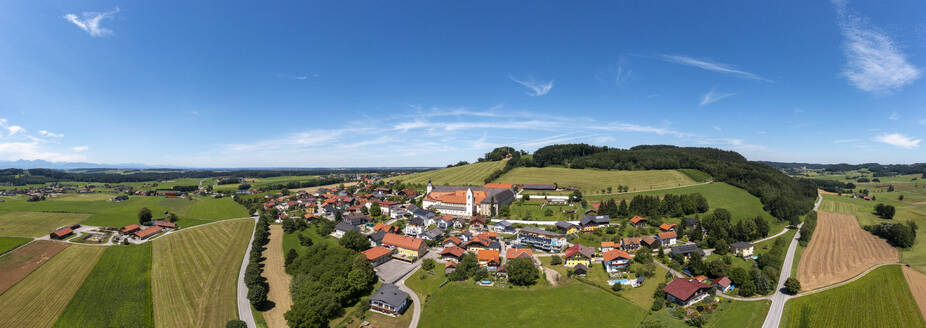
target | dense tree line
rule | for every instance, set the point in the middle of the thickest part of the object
(327, 279)
(515, 161)
(720, 233)
(669, 205)
(257, 284)
(885, 211)
(831, 185)
(810, 224)
(501, 153)
(897, 234)
(185, 188)
(781, 195)
(20, 177)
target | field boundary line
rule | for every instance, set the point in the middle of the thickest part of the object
(844, 282)
(18, 247)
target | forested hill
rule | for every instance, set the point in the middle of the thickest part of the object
(782, 196)
(877, 169)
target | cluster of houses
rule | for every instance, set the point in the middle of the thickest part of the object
(141, 232)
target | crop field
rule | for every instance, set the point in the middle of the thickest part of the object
(36, 224)
(116, 293)
(258, 182)
(840, 250)
(16, 265)
(593, 181)
(9, 243)
(879, 299)
(39, 299)
(917, 282)
(470, 174)
(572, 305)
(276, 276)
(194, 274)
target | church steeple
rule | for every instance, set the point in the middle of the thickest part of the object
(430, 186)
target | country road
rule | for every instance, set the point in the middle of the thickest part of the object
(244, 306)
(416, 301)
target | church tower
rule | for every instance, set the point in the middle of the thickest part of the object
(429, 186)
(469, 202)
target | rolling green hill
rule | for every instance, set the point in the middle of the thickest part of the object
(470, 174)
(594, 181)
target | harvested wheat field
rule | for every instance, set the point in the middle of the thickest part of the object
(277, 278)
(840, 250)
(917, 282)
(19, 263)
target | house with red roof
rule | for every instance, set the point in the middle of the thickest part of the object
(61, 233)
(518, 253)
(488, 259)
(615, 260)
(667, 227)
(686, 291)
(129, 228)
(667, 238)
(147, 233)
(452, 253)
(165, 224)
(407, 248)
(723, 284)
(638, 222)
(578, 254)
(607, 246)
(452, 241)
(378, 255)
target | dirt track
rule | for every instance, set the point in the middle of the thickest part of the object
(277, 278)
(19, 263)
(917, 282)
(840, 250)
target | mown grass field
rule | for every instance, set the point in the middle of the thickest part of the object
(429, 284)
(117, 293)
(258, 183)
(739, 314)
(194, 274)
(36, 224)
(9, 243)
(572, 305)
(593, 181)
(470, 174)
(42, 296)
(879, 299)
(530, 210)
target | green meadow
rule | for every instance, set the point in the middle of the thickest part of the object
(470, 175)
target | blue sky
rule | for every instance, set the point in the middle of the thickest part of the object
(422, 83)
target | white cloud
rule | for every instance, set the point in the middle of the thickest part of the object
(894, 116)
(874, 63)
(898, 140)
(46, 133)
(713, 96)
(711, 66)
(80, 148)
(14, 129)
(33, 151)
(536, 88)
(90, 22)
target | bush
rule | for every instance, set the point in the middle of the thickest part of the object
(236, 324)
(556, 260)
(617, 287)
(793, 286)
(522, 272)
(427, 265)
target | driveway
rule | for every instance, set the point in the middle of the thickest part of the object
(393, 270)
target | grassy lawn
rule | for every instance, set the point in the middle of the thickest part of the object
(470, 174)
(572, 305)
(291, 240)
(641, 296)
(258, 318)
(739, 314)
(879, 299)
(428, 285)
(42, 296)
(593, 181)
(530, 210)
(36, 224)
(194, 274)
(9, 243)
(116, 293)
(216, 208)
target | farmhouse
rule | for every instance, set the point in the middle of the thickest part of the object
(578, 254)
(129, 229)
(615, 260)
(590, 223)
(165, 224)
(638, 222)
(61, 233)
(378, 255)
(466, 201)
(630, 244)
(389, 299)
(686, 250)
(541, 239)
(452, 253)
(650, 241)
(686, 291)
(488, 259)
(742, 248)
(667, 238)
(566, 227)
(407, 248)
(147, 233)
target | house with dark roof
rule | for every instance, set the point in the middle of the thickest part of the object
(691, 222)
(356, 219)
(445, 222)
(541, 239)
(686, 250)
(590, 223)
(539, 187)
(389, 299)
(433, 234)
(415, 226)
(650, 241)
(686, 291)
(578, 254)
(343, 227)
(503, 227)
(566, 227)
(580, 270)
(630, 244)
(377, 237)
(742, 248)
(378, 255)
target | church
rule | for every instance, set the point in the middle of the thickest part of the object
(467, 201)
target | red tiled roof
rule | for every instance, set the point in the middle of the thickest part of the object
(165, 224)
(723, 282)
(453, 250)
(147, 232)
(376, 252)
(454, 239)
(683, 288)
(608, 244)
(580, 249)
(636, 219)
(667, 235)
(406, 242)
(63, 232)
(451, 264)
(615, 253)
(513, 253)
(129, 228)
(498, 185)
(701, 278)
(488, 255)
(666, 226)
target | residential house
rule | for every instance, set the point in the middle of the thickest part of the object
(489, 259)
(478, 223)
(541, 239)
(615, 260)
(514, 253)
(686, 291)
(723, 284)
(503, 227)
(445, 222)
(378, 255)
(465, 236)
(388, 299)
(742, 248)
(607, 246)
(407, 248)
(452, 253)
(386, 227)
(638, 222)
(578, 254)
(377, 237)
(590, 223)
(667, 238)
(580, 270)
(433, 234)
(343, 227)
(566, 227)
(452, 241)
(356, 219)
(630, 244)
(650, 241)
(665, 227)
(415, 226)
(450, 267)
(686, 250)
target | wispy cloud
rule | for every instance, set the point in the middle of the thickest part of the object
(17, 144)
(46, 133)
(622, 75)
(535, 88)
(713, 96)
(712, 66)
(898, 140)
(14, 129)
(80, 148)
(90, 22)
(894, 116)
(731, 143)
(874, 63)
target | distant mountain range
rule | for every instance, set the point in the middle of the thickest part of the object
(42, 164)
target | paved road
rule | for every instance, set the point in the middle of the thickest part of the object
(244, 306)
(773, 319)
(416, 301)
(539, 222)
